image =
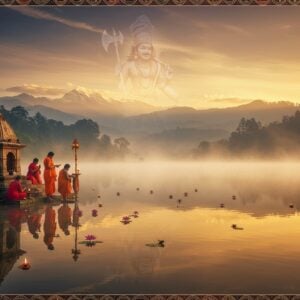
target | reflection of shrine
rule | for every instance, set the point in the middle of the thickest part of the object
(10, 249)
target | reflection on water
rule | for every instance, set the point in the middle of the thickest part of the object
(200, 252)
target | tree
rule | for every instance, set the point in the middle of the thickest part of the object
(122, 146)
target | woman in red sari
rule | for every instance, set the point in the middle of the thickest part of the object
(34, 172)
(15, 192)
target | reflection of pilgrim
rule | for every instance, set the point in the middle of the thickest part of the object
(64, 218)
(34, 224)
(49, 227)
(143, 72)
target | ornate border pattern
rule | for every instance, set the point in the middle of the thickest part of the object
(148, 2)
(149, 297)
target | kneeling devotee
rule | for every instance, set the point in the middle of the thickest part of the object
(34, 172)
(15, 191)
(50, 175)
(64, 182)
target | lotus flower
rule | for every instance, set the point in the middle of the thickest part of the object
(126, 218)
(90, 237)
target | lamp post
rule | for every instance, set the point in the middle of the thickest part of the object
(75, 147)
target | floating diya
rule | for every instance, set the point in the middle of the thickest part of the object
(151, 192)
(234, 226)
(196, 190)
(179, 201)
(118, 194)
(233, 197)
(135, 214)
(222, 205)
(25, 265)
(98, 196)
(171, 197)
(137, 189)
(100, 205)
(161, 243)
(291, 205)
(185, 194)
(125, 220)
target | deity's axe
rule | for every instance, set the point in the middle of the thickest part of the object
(114, 39)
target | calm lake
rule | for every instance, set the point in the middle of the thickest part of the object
(202, 253)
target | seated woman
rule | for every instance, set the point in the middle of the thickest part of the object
(64, 182)
(34, 172)
(15, 191)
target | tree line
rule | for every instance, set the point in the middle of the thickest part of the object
(252, 139)
(42, 135)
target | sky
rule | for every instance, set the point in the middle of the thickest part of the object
(220, 55)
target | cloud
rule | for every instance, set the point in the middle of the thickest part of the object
(38, 14)
(36, 90)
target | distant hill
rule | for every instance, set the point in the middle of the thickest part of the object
(178, 140)
(222, 118)
(78, 102)
(32, 106)
(144, 124)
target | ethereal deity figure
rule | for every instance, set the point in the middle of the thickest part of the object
(143, 73)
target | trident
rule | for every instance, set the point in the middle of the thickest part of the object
(114, 39)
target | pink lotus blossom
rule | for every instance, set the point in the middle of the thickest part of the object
(90, 237)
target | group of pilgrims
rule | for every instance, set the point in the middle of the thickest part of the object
(16, 192)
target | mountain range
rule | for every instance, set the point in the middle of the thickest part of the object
(141, 122)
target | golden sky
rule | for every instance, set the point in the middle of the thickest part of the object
(220, 56)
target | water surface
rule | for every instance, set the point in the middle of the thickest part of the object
(202, 253)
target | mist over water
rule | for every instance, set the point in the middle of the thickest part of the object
(202, 253)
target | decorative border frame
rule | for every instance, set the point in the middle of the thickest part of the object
(147, 2)
(4, 3)
(150, 297)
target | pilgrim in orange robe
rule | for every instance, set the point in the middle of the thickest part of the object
(33, 174)
(64, 184)
(15, 191)
(49, 227)
(49, 176)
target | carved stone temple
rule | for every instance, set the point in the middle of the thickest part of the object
(10, 156)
